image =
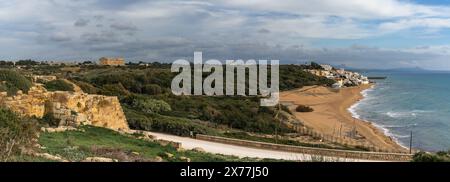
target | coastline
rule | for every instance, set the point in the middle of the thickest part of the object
(333, 114)
(354, 114)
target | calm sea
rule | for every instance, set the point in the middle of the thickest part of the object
(405, 102)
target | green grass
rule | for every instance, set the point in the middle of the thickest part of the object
(76, 145)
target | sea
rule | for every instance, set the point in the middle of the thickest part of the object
(411, 107)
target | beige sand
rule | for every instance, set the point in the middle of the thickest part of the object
(331, 115)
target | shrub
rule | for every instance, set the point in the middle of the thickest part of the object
(147, 105)
(166, 124)
(152, 89)
(58, 85)
(293, 76)
(87, 88)
(15, 133)
(429, 157)
(115, 89)
(303, 108)
(314, 65)
(50, 120)
(13, 82)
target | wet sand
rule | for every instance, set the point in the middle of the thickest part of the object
(332, 117)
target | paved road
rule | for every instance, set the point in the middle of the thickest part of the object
(241, 151)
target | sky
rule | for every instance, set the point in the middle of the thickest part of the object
(357, 33)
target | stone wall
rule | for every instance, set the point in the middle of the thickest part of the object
(72, 108)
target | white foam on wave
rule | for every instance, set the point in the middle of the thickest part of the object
(406, 114)
(352, 110)
(385, 130)
(354, 107)
(399, 126)
(388, 133)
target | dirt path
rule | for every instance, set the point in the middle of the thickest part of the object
(240, 151)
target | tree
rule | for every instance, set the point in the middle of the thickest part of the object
(27, 62)
(152, 89)
(314, 65)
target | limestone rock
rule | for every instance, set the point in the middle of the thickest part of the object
(185, 159)
(167, 155)
(50, 157)
(198, 149)
(158, 159)
(72, 108)
(99, 159)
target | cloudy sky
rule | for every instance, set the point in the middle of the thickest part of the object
(357, 33)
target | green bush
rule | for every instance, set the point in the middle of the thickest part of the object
(58, 85)
(152, 89)
(15, 133)
(430, 157)
(314, 65)
(50, 120)
(293, 77)
(166, 124)
(87, 88)
(303, 108)
(12, 81)
(147, 105)
(114, 89)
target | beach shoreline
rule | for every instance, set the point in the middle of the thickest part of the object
(333, 115)
(354, 114)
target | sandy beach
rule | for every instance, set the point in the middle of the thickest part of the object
(332, 117)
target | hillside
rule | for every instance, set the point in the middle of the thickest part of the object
(145, 96)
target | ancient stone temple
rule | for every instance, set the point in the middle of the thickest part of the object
(111, 61)
(71, 108)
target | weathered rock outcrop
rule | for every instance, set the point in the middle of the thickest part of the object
(72, 108)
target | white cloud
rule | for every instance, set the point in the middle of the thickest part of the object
(165, 30)
(367, 9)
(430, 23)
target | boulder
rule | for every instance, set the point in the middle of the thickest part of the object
(198, 149)
(185, 159)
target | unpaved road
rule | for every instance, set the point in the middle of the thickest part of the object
(240, 151)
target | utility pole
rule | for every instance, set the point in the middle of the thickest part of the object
(278, 122)
(410, 142)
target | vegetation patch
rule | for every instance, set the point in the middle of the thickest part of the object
(58, 85)
(101, 142)
(11, 81)
(431, 157)
(16, 134)
(303, 108)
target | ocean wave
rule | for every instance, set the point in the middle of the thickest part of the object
(366, 92)
(395, 137)
(399, 126)
(406, 114)
(352, 110)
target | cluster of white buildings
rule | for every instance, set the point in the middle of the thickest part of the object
(343, 78)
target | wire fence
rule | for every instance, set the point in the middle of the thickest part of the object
(344, 139)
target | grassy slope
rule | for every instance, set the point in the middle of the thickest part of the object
(75, 146)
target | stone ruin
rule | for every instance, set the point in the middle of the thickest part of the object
(71, 108)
